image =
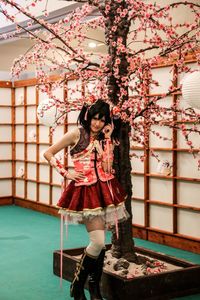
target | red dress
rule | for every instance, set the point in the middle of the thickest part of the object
(99, 193)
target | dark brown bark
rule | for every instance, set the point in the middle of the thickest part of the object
(124, 245)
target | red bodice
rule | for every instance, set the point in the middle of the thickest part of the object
(89, 161)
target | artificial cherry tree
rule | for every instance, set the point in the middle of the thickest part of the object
(138, 35)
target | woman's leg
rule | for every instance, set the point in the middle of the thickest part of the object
(90, 261)
(96, 248)
(96, 231)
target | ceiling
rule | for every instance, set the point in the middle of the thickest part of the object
(10, 49)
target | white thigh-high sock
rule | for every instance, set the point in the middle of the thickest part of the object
(97, 242)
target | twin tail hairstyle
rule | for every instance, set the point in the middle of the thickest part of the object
(102, 109)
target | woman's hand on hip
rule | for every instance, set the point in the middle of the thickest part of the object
(76, 176)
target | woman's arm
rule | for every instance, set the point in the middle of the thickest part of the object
(69, 139)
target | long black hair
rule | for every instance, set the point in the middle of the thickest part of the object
(103, 110)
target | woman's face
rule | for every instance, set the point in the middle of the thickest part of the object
(97, 124)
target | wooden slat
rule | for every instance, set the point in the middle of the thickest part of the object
(165, 238)
(137, 199)
(38, 206)
(146, 171)
(6, 200)
(35, 82)
(37, 148)
(5, 84)
(13, 144)
(174, 155)
(25, 144)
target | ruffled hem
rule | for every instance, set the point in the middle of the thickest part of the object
(110, 215)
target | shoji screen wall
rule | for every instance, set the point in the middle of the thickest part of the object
(36, 184)
(166, 208)
(6, 145)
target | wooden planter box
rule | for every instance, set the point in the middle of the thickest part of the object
(159, 286)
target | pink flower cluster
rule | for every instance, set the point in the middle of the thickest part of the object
(155, 36)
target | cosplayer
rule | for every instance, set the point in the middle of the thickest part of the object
(94, 196)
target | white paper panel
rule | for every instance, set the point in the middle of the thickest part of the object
(19, 165)
(31, 190)
(69, 160)
(188, 193)
(189, 223)
(42, 96)
(161, 217)
(5, 96)
(71, 127)
(19, 133)
(163, 156)
(44, 193)
(5, 115)
(31, 133)
(165, 133)
(160, 190)
(19, 188)
(194, 137)
(136, 163)
(42, 149)
(5, 133)
(5, 151)
(44, 173)
(58, 134)
(56, 193)
(165, 102)
(164, 77)
(19, 151)
(138, 212)
(187, 166)
(5, 188)
(138, 186)
(43, 134)
(19, 115)
(31, 152)
(31, 171)
(56, 177)
(31, 95)
(73, 116)
(5, 169)
(31, 114)
(19, 96)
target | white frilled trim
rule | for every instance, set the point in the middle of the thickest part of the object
(110, 214)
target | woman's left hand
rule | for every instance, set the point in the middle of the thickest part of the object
(107, 130)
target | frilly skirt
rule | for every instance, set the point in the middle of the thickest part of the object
(104, 199)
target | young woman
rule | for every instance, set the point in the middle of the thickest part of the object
(94, 196)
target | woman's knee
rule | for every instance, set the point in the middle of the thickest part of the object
(97, 242)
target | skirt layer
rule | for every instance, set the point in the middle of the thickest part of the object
(105, 199)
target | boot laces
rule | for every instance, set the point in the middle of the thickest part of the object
(79, 267)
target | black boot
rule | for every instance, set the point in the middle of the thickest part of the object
(95, 277)
(83, 268)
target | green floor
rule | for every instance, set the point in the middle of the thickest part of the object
(27, 242)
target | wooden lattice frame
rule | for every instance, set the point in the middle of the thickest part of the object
(145, 232)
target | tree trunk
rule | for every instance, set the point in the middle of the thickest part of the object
(124, 245)
(118, 91)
